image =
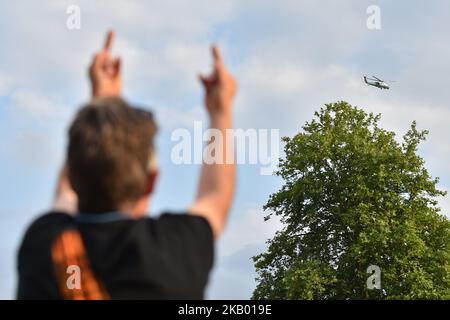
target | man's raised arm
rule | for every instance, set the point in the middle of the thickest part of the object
(217, 181)
(105, 72)
(106, 81)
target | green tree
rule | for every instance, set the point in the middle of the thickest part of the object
(354, 197)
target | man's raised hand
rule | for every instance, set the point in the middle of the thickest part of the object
(220, 87)
(105, 72)
(217, 180)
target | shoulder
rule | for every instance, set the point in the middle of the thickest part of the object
(49, 219)
(45, 227)
(184, 220)
(34, 266)
(49, 222)
(183, 224)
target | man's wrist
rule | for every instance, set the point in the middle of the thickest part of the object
(100, 91)
(96, 92)
(221, 119)
(103, 94)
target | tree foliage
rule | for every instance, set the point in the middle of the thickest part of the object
(353, 197)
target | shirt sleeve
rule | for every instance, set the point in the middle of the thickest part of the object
(189, 240)
(34, 265)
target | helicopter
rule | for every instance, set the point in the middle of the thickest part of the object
(374, 81)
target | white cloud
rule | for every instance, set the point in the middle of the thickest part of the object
(234, 276)
(36, 107)
(245, 237)
(4, 85)
(32, 150)
(164, 41)
(248, 229)
(290, 58)
(173, 118)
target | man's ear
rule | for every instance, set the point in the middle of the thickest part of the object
(151, 181)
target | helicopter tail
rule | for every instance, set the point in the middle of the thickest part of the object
(365, 78)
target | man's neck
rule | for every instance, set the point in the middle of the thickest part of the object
(137, 209)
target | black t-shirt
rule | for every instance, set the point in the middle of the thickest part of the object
(164, 258)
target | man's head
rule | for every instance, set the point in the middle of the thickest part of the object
(111, 156)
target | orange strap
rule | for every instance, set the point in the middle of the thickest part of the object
(68, 251)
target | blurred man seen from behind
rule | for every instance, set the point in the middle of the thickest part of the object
(97, 241)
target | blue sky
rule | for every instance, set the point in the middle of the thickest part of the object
(290, 58)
